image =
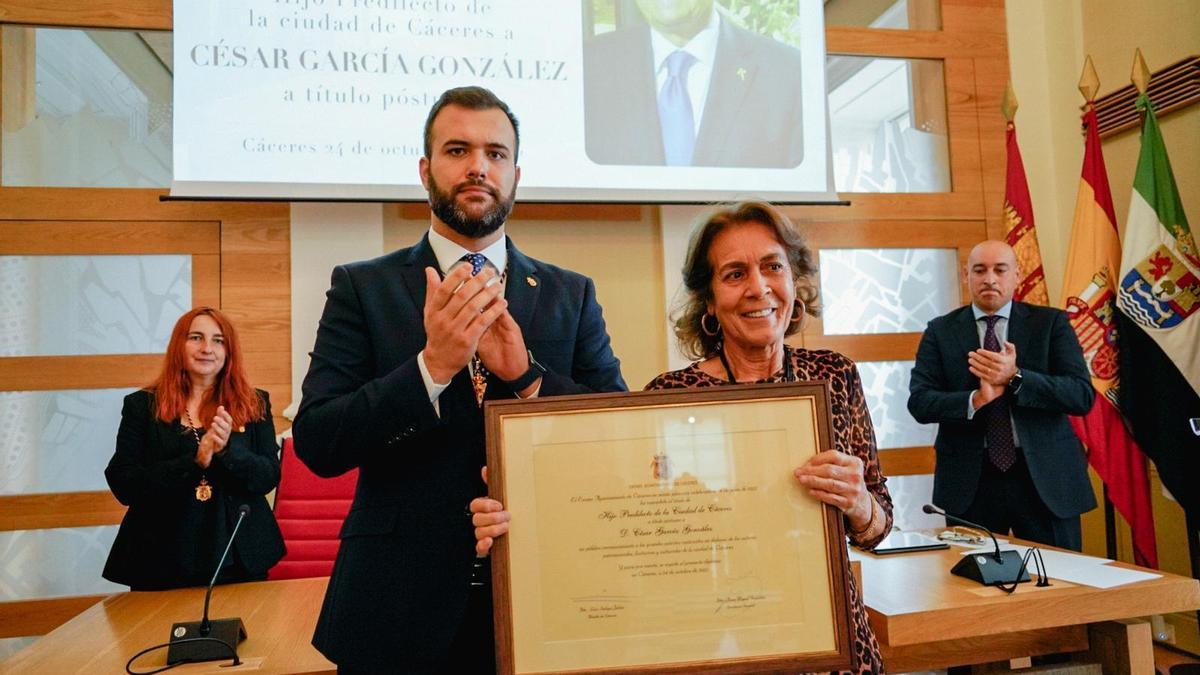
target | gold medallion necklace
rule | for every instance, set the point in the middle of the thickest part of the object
(203, 489)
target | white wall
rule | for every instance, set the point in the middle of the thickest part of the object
(323, 236)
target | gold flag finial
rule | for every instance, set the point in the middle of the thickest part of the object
(1141, 74)
(1089, 81)
(1009, 105)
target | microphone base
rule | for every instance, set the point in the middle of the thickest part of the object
(230, 631)
(985, 569)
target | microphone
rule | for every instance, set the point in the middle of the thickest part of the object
(935, 511)
(1001, 567)
(209, 640)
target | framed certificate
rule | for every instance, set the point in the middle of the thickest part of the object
(664, 531)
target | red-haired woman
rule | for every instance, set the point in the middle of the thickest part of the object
(192, 448)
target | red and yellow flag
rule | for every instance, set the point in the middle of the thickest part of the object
(1089, 296)
(1018, 226)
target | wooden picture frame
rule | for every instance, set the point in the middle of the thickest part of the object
(664, 532)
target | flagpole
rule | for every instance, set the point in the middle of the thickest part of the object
(1140, 77)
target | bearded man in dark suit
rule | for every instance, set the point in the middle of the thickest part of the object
(1000, 377)
(409, 346)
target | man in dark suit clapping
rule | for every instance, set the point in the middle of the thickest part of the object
(409, 346)
(1000, 377)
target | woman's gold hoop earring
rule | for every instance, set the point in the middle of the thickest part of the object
(704, 325)
(798, 310)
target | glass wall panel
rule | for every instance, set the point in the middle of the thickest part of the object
(909, 494)
(886, 386)
(888, 290)
(86, 108)
(86, 305)
(902, 14)
(50, 563)
(57, 441)
(888, 124)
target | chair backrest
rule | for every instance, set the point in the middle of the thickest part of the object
(310, 511)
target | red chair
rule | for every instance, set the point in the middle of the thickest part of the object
(310, 511)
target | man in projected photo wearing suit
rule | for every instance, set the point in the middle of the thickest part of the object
(1000, 377)
(409, 346)
(691, 88)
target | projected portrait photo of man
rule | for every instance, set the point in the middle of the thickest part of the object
(686, 83)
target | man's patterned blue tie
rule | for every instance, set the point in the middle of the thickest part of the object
(478, 372)
(1002, 451)
(477, 261)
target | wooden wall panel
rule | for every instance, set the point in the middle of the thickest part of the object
(907, 461)
(44, 373)
(18, 56)
(240, 256)
(535, 211)
(144, 14)
(64, 509)
(966, 155)
(206, 280)
(124, 204)
(884, 347)
(879, 206)
(256, 291)
(909, 43)
(16, 239)
(981, 17)
(897, 233)
(108, 237)
(991, 76)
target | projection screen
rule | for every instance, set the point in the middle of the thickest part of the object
(668, 101)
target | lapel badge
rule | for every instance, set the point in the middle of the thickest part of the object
(741, 73)
(531, 281)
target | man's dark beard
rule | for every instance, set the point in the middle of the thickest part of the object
(444, 206)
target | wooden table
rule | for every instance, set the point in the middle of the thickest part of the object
(279, 617)
(926, 619)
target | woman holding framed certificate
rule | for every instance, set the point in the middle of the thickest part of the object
(750, 280)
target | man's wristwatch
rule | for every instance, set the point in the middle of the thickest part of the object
(530, 376)
(1014, 385)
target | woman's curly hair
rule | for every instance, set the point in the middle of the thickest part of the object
(694, 342)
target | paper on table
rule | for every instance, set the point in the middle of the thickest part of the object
(1077, 568)
(1107, 576)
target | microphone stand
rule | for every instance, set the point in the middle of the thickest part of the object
(209, 640)
(999, 567)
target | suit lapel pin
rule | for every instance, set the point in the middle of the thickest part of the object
(531, 281)
(741, 73)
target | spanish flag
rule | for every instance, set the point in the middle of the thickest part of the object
(1018, 225)
(1089, 296)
